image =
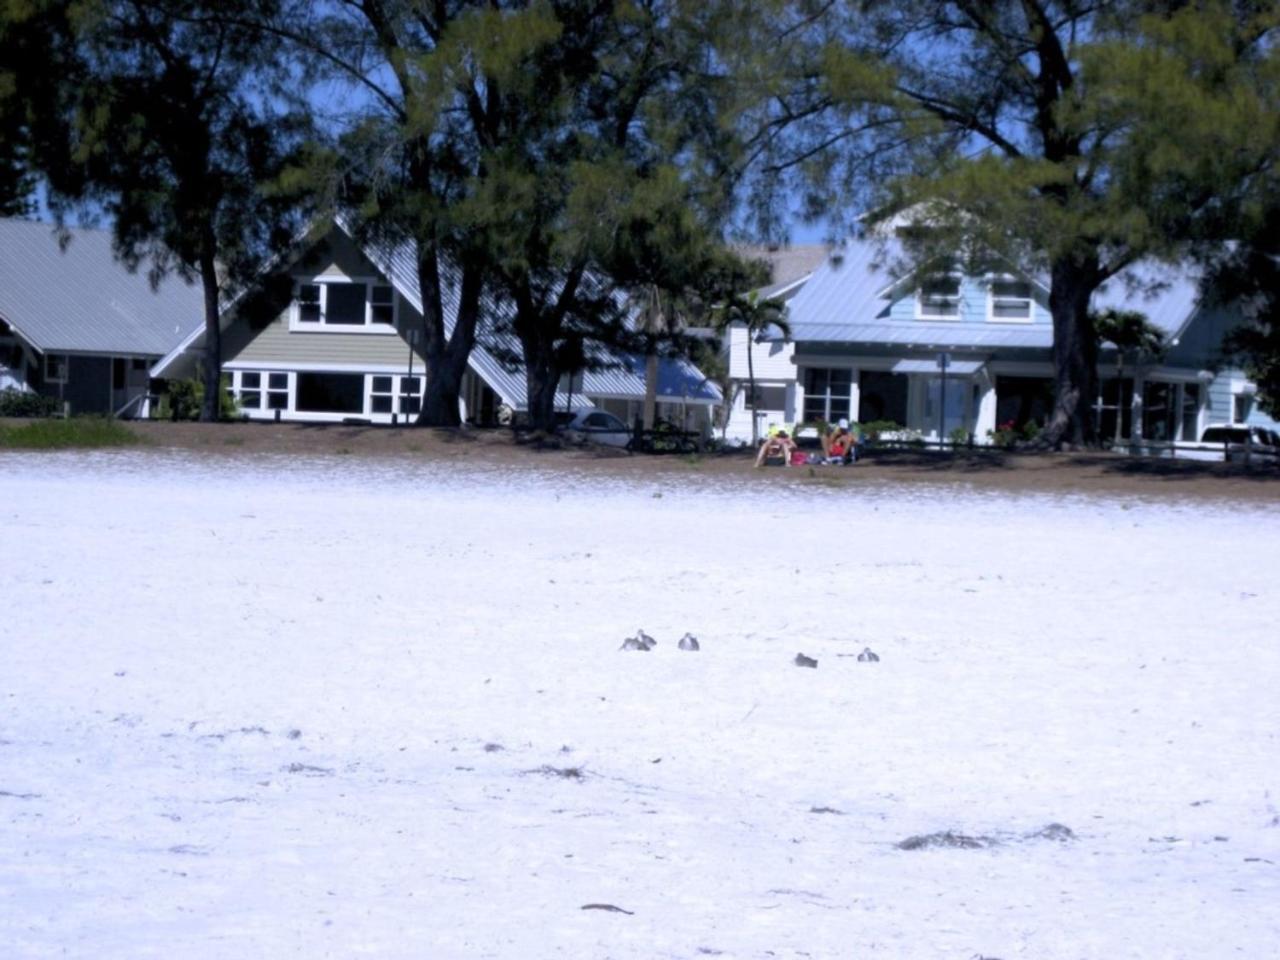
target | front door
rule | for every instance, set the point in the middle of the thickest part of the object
(130, 377)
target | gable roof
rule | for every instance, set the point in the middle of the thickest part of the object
(83, 300)
(678, 379)
(844, 299)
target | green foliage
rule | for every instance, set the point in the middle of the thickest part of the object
(20, 403)
(549, 151)
(1130, 333)
(63, 434)
(959, 436)
(1009, 434)
(1005, 434)
(184, 400)
(1248, 275)
(872, 429)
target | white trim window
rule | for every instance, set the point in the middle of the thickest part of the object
(1009, 300)
(256, 390)
(390, 394)
(339, 304)
(55, 367)
(938, 299)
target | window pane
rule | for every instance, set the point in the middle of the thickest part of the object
(1010, 310)
(1014, 289)
(380, 294)
(382, 313)
(410, 404)
(940, 297)
(278, 381)
(941, 287)
(380, 404)
(411, 384)
(1190, 410)
(250, 381)
(309, 302)
(381, 384)
(344, 304)
(250, 400)
(331, 392)
(277, 401)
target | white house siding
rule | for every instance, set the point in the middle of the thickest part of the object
(771, 360)
(775, 376)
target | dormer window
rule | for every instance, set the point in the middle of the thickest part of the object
(939, 299)
(1009, 301)
(344, 305)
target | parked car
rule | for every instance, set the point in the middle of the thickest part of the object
(1240, 441)
(593, 425)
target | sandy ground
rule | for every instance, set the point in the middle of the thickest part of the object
(321, 705)
(1094, 473)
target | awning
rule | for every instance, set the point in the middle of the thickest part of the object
(957, 368)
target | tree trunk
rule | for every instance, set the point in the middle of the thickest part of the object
(1075, 353)
(211, 405)
(445, 360)
(650, 388)
(540, 378)
(440, 392)
(751, 393)
(1119, 397)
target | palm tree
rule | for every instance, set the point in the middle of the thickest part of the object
(655, 318)
(758, 317)
(1128, 331)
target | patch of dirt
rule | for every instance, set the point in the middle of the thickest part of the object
(981, 470)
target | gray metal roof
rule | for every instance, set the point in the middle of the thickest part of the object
(922, 334)
(621, 378)
(844, 302)
(1169, 295)
(83, 300)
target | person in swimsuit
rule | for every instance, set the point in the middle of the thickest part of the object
(776, 450)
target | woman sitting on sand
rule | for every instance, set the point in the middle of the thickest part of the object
(840, 445)
(776, 451)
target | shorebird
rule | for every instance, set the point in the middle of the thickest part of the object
(803, 661)
(648, 641)
(634, 643)
(868, 656)
(689, 642)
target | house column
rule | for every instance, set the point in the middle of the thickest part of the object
(855, 394)
(795, 398)
(986, 418)
(1135, 407)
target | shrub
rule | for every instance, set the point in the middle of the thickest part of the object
(20, 403)
(1004, 435)
(873, 429)
(185, 397)
(959, 436)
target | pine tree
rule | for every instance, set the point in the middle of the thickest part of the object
(1071, 139)
(179, 137)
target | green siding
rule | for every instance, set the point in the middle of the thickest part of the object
(275, 344)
